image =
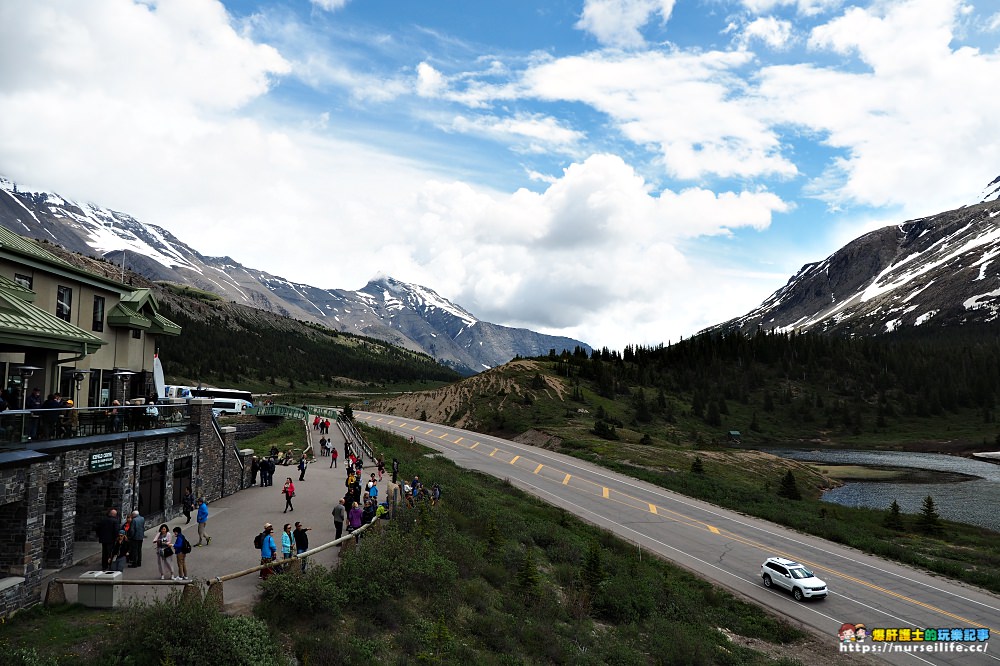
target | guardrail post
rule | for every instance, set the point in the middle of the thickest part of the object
(191, 594)
(55, 594)
(214, 595)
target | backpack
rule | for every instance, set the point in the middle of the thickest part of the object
(186, 546)
(258, 541)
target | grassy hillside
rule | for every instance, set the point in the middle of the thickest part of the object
(612, 413)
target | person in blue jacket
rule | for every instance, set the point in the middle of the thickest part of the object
(268, 550)
(202, 523)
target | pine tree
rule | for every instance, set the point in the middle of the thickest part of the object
(593, 569)
(788, 488)
(697, 466)
(894, 518)
(929, 521)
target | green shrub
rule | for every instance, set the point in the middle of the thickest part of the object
(313, 592)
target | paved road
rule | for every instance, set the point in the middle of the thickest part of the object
(725, 546)
(233, 523)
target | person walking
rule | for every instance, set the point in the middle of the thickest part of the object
(339, 515)
(120, 552)
(302, 468)
(333, 457)
(188, 503)
(107, 533)
(181, 548)
(164, 551)
(268, 550)
(299, 534)
(380, 466)
(373, 492)
(203, 523)
(136, 533)
(289, 492)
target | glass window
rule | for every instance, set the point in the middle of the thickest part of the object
(23, 280)
(64, 302)
(98, 313)
(137, 333)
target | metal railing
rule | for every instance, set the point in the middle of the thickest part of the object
(19, 428)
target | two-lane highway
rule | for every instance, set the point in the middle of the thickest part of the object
(727, 547)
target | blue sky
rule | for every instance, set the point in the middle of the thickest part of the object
(621, 171)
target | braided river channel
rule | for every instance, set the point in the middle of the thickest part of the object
(964, 489)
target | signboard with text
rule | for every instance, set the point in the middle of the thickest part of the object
(101, 461)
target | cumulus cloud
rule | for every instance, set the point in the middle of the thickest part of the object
(526, 132)
(901, 121)
(618, 23)
(691, 107)
(775, 33)
(803, 7)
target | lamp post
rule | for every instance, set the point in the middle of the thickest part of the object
(25, 371)
(78, 378)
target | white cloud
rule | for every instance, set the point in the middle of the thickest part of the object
(773, 32)
(430, 82)
(802, 7)
(329, 5)
(691, 107)
(915, 124)
(618, 22)
(993, 22)
(527, 132)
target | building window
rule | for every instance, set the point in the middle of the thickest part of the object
(137, 333)
(151, 489)
(23, 280)
(64, 302)
(98, 313)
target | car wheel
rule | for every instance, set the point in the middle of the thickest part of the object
(797, 593)
(767, 581)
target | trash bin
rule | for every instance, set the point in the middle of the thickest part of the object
(99, 596)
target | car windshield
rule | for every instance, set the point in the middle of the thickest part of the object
(801, 572)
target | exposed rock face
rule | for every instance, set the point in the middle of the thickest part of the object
(941, 270)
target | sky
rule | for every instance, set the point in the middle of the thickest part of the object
(618, 171)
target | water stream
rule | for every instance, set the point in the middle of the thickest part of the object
(964, 489)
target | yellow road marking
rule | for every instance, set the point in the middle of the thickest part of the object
(539, 468)
(652, 509)
(566, 480)
(714, 530)
(514, 460)
(493, 452)
(460, 439)
(607, 494)
(442, 435)
(474, 445)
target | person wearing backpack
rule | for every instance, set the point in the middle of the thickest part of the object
(268, 549)
(181, 549)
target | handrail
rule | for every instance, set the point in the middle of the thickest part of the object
(294, 557)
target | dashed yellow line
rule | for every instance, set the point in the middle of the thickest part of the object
(474, 445)
(713, 529)
(566, 480)
(493, 452)
(539, 468)
(652, 509)
(514, 460)
(606, 493)
(461, 438)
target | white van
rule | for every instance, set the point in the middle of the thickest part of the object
(224, 406)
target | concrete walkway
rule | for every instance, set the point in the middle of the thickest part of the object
(234, 521)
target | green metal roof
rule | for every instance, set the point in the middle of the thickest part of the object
(125, 315)
(21, 245)
(24, 325)
(163, 326)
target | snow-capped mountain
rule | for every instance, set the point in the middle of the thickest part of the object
(406, 315)
(942, 270)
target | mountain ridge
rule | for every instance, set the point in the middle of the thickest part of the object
(411, 316)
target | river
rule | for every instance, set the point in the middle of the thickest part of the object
(972, 498)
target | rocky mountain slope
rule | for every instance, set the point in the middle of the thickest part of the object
(407, 315)
(935, 271)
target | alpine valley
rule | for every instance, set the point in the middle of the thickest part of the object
(406, 315)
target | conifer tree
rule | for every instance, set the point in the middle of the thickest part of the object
(894, 518)
(929, 521)
(697, 466)
(788, 488)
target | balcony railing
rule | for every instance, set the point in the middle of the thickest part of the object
(20, 428)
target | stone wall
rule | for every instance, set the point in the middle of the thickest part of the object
(48, 504)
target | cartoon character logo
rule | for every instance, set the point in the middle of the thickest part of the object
(860, 632)
(846, 633)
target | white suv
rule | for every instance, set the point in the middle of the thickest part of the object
(793, 577)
